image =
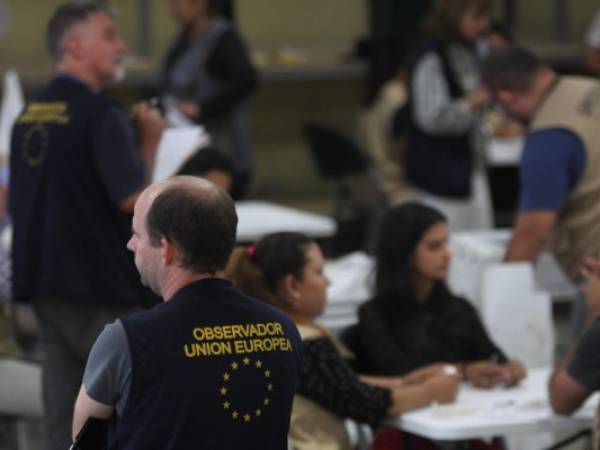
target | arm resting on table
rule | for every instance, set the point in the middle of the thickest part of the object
(437, 389)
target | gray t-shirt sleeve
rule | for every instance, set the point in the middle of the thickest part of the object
(585, 365)
(107, 376)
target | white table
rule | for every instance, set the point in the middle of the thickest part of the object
(479, 413)
(20, 388)
(257, 219)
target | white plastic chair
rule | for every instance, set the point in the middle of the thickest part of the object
(519, 320)
(517, 317)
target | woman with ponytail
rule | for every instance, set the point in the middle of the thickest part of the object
(286, 270)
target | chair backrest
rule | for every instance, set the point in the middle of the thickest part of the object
(517, 316)
(335, 154)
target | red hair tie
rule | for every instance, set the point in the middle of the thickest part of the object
(250, 251)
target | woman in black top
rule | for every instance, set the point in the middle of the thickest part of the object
(286, 270)
(414, 321)
(206, 77)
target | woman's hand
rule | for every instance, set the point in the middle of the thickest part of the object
(437, 389)
(443, 388)
(484, 374)
(516, 372)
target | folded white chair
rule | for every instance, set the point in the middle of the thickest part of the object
(518, 318)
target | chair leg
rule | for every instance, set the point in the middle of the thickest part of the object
(583, 434)
(21, 431)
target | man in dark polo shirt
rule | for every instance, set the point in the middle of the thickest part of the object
(76, 172)
(210, 368)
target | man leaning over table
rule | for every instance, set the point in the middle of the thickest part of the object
(578, 374)
(560, 166)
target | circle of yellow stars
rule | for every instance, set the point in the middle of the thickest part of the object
(32, 159)
(235, 413)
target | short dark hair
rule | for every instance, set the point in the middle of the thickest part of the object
(510, 67)
(65, 17)
(202, 225)
(205, 160)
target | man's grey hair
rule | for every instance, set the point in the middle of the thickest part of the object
(66, 17)
(510, 67)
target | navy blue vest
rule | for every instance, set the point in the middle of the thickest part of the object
(211, 369)
(439, 164)
(69, 234)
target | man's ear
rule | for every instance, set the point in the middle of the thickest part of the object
(168, 251)
(72, 45)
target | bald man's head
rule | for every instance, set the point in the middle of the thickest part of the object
(195, 215)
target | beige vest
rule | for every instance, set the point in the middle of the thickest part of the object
(574, 104)
(313, 427)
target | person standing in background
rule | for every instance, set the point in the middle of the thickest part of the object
(443, 154)
(76, 173)
(205, 78)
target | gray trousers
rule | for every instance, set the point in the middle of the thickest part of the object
(68, 332)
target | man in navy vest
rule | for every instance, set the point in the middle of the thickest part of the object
(76, 171)
(209, 368)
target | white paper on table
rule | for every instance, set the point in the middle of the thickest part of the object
(504, 151)
(526, 410)
(176, 146)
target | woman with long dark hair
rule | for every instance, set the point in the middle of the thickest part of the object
(286, 270)
(414, 321)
